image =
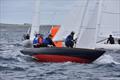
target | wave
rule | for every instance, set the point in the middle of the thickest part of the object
(3, 67)
(8, 59)
(2, 50)
(11, 67)
(106, 59)
(14, 44)
(11, 57)
(118, 51)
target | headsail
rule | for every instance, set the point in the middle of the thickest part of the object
(87, 35)
(83, 21)
(71, 21)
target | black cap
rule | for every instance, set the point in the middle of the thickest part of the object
(110, 35)
(72, 32)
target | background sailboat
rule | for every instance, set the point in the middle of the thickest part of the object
(109, 24)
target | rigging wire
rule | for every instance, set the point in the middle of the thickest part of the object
(83, 17)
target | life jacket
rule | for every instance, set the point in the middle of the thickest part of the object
(35, 41)
(46, 41)
(69, 38)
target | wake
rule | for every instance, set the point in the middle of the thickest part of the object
(106, 59)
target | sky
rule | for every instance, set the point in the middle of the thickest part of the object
(22, 11)
(52, 12)
(16, 11)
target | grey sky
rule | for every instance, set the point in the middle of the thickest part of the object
(22, 11)
(16, 11)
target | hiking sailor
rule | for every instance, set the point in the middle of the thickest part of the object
(111, 40)
(48, 41)
(26, 36)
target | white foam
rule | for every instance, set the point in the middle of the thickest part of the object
(106, 59)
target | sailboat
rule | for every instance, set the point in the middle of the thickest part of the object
(109, 24)
(84, 28)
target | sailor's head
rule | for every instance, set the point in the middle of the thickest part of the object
(110, 35)
(50, 36)
(72, 33)
(40, 35)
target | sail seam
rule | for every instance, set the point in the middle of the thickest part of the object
(109, 12)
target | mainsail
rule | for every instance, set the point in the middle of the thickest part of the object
(36, 20)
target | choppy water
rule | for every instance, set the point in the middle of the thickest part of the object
(15, 66)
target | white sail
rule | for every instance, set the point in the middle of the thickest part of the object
(36, 20)
(71, 21)
(110, 19)
(87, 35)
(83, 21)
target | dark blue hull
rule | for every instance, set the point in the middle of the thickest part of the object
(63, 54)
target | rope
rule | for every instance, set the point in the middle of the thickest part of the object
(101, 40)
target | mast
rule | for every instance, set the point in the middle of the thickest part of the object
(36, 20)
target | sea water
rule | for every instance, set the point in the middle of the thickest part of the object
(16, 66)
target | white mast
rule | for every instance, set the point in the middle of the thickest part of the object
(36, 20)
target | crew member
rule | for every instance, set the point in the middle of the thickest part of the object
(69, 41)
(111, 40)
(48, 41)
(35, 41)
